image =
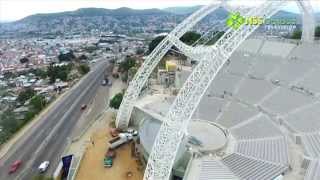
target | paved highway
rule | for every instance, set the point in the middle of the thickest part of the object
(47, 139)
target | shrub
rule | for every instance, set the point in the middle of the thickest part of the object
(26, 95)
(83, 69)
(115, 102)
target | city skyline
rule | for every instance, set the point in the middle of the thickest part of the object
(16, 9)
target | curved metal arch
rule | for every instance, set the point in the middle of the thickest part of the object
(141, 77)
(171, 131)
(308, 31)
(170, 135)
(308, 21)
(136, 85)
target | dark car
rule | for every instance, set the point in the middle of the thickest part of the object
(83, 106)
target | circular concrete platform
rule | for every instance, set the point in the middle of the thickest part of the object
(205, 136)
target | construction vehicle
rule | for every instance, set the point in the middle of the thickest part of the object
(108, 158)
(108, 162)
(120, 140)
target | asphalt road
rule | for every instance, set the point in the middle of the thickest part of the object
(47, 139)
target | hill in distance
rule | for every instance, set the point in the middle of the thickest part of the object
(182, 10)
(123, 20)
(90, 12)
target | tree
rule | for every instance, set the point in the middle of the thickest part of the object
(9, 123)
(9, 75)
(317, 33)
(24, 60)
(115, 102)
(69, 56)
(132, 72)
(37, 103)
(58, 72)
(25, 95)
(83, 57)
(83, 69)
(39, 73)
(297, 34)
(128, 63)
(155, 42)
(139, 51)
(91, 49)
(190, 37)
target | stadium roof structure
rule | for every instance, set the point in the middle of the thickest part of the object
(267, 103)
(273, 108)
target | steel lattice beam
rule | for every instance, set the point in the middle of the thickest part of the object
(170, 135)
(308, 21)
(307, 33)
(141, 77)
(212, 59)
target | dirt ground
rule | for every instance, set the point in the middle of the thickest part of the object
(91, 167)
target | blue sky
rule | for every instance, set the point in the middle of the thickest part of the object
(16, 9)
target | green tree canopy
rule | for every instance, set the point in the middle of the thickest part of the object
(115, 102)
(9, 126)
(128, 63)
(83, 69)
(317, 33)
(58, 72)
(83, 57)
(297, 34)
(25, 95)
(69, 56)
(24, 60)
(37, 103)
(155, 42)
(190, 37)
(9, 75)
(8, 121)
(139, 51)
(39, 73)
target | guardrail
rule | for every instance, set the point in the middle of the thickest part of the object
(76, 160)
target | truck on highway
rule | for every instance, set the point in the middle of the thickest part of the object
(120, 140)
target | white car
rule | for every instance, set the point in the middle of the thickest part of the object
(132, 132)
(43, 166)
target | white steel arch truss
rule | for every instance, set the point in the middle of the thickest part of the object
(212, 59)
(308, 20)
(141, 77)
(170, 135)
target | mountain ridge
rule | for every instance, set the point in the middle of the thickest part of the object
(122, 20)
(123, 11)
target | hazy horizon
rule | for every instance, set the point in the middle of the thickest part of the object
(12, 10)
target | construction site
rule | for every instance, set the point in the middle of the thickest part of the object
(251, 113)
